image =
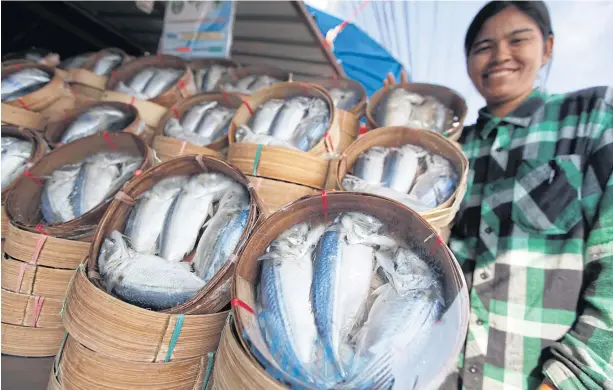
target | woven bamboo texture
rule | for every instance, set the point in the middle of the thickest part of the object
(112, 327)
(54, 383)
(81, 368)
(5, 224)
(235, 369)
(25, 211)
(31, 342)
(167, 148)
(406, 225)
(51, 100)
(448, 97)
(441, 217)
(45, 250)
(216, 293)
(149, 111)
(39, 148)
(54, 131)
(25, 278)
(85, 94)
(33, 311)
(183, 88)
(21, 117)
(359, 109)
(254, 70)
(275, 194)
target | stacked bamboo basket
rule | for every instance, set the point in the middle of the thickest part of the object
(39, 261)
(113, 344)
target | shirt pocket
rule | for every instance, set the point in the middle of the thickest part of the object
(546, 195)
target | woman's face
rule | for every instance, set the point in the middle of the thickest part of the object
(507, 55)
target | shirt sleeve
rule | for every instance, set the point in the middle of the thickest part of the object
(583, 357)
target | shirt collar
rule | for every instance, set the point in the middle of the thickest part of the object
(521, 116)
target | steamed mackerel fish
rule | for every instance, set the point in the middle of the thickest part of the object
(150, 82)
(96, 120)
(208, 78)
(15, 155)
(201, 124)
(403, 108)
(75, 189)
(107, 63)
(144, 279)
(250, 84)
(23, 82)
(74, 62)
(344, 98)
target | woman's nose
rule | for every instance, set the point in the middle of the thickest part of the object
(502, 52)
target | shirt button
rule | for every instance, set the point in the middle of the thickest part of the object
(479, 321)
(472, 369)
(499, 149)
(493, 187)
(483, 275)
(488, 230)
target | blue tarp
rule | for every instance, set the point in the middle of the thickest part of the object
(362, 59)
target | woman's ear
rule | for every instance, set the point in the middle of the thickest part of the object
(548, 50)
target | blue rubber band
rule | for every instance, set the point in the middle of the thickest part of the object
(175, 336)
(209, 370)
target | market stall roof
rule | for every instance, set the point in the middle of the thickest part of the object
(277, 33)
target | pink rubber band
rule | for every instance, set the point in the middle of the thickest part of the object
(38, 307)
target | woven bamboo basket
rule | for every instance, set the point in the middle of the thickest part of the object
(20, 117)
(441, 218)
(167, 147)
(255, 70)
(185, 87)
(85, 75)
(54, 131)
(200, 63)
(21, 277)
(359, 109)
(294, 166)
(85, 94)
(4, 227)
(112, 327)
(50, 101)
(38, 151)
(216, 294)
(448, 97)
(81, 368)
(34, 311)
(54, 382)
(275, 194)
(150, 112)
(31, 342)
(235, 370)
(405, 223)
(25, 211)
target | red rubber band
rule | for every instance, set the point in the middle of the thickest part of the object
(238, 302)
(107, 138)
(363, 129)
(23, 104)
(34, 179)
(138, 172)
(18, 66)
(224, 95)
(181, 84)
(38, 307)
(329, 142)
(324, 205)
(40, 229)
(335, 79)
(248, 107)
(175, 112)
(132, 100)
(304, 88)
(114, 73)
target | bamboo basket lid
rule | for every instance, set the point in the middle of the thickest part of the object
(31, 279)
(25, 211)
(149, 111)
(447, 96)
(39, 148)
(34, 311)
(328, 84)
(441, 216)
(276, 194)
(31, 342)
(234, 369)
(81, 368)
(183, 88)
(21, 117)
(84, 75)
(406, 225)
(45, 250)
(112, 327)
(41, 98)
(216, 293)
(254, 70)
(54, 131)
(229, 100)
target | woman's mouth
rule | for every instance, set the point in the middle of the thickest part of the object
(498, 73)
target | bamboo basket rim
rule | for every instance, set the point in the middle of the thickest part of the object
(265, 208)
(39, 148)
(148, 110)
(19, 340)
(54, 131)
(118, 212)
(229, 100)
(423, 138)
(66, 154)
(45, 95)
(106, 324)
(48, 251)
(168, 146)
(20, 117)
(201, 62)
(94, 57)
(352, 84)
(454, 132)
(27, 307)
(311, 208)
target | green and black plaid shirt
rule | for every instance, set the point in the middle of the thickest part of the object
(535, 240)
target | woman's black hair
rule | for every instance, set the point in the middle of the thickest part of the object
(536, 10)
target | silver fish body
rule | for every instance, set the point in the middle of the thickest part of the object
(312, 128)
(344, 98)
(96, 120)
(194, 115)
(341, 283)
(262, 82)
(353, 183)
(146, 220)
(15, 155)
(396, 108)
(145, 280)
(212, 76)
(23, 82)
(107, 63)
(188, 213)
(431, 114)
(74, 62)
(288, 119)
(215, 123)
(406, 270)
(400, 169)
(370, 165)
(161, 81)
(56, 206)
(265, 114)
(435, 186)
(140, 80)
(243, 84)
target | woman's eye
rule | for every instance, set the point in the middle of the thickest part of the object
(480, 49)
(517, 41)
